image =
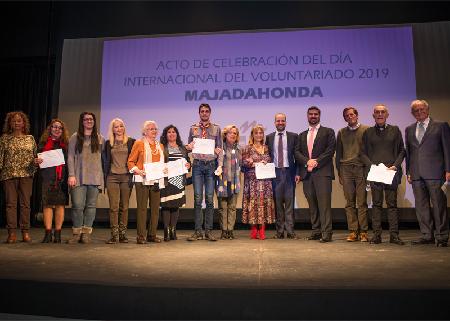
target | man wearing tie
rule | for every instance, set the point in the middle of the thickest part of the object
(281, 145)
(314, 155)
(383, 143)
(427, 169)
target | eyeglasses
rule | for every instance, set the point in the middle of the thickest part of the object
(57, 127)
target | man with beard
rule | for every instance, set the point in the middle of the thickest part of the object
(314, 154)
(281, 146)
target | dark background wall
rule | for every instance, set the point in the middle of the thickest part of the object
(32, 35)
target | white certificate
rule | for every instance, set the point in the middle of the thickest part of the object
(204, 146)
(176, 168)
(51, 158)
(381, 174)
(265, 171)
(154, 171)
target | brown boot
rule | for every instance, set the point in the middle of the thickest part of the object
(26, 236)
(363, 237)
(75, 237)
(12, 238)
(353, 236)
(86, 235)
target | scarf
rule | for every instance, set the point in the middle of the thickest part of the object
(204, 129)
(232, 177)
(51, 144)
(148, 159)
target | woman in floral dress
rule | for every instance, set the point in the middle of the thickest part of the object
(257, 201)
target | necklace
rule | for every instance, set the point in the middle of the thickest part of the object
(259, 149)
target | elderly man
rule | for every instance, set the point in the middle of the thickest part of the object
(383, 143)
(427, 169)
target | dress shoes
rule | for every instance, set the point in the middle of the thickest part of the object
(278, 236)
(313, 237)
(394, 239)
(442, 243)
(325, 239)
(422, 241)
(292, 236)
(376, 239)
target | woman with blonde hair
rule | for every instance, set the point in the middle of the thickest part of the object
(257, 202)
(117, 179)
(17, 168)
(147, 150)
(55, 192)
(228, 183)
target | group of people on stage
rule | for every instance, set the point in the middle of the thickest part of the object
(117, 163)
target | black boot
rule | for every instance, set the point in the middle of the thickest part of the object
(173, 233)
(47, 236)
(166, 234)
(57, 236)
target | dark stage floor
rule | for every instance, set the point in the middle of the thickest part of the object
(228, 279)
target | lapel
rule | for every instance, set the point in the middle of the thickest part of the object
(318, 136)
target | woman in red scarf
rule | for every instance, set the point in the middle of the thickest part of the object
(54, 180)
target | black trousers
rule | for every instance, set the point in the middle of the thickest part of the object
(284, 193)
(389, 193)
(317, 191)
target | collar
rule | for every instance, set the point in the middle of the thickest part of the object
(425, 122)
(381, 127)
(283, 132)
(316, 127)
(354, 128)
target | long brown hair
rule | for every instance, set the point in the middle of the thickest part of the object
(95, 144)
(7, 128)
(48, 131)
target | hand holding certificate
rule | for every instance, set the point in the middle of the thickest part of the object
(177, 168)
(51, 158)
(265, 171)
(204, 146)
(381, 174)
(154, 171)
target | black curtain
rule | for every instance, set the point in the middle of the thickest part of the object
(27, 86)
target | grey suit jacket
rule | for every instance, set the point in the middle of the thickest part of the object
(431, 158)
(323, 150)
(292, 143)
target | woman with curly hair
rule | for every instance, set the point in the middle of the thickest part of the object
(54, 179)
(17, 168)
(173, 196)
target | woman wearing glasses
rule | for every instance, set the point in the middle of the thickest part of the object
(54, 180)
(85, 176)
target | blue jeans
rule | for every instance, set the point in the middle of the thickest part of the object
(84, 205)
(203, 177)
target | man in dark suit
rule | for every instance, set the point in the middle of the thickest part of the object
(314, 155)
(427, 169)
(281, 146)
(383, 143)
